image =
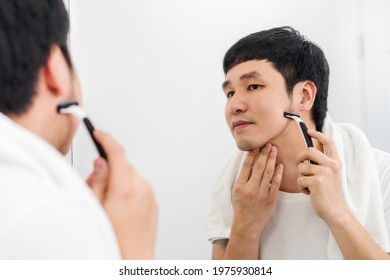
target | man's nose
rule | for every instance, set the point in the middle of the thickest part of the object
(238, 103)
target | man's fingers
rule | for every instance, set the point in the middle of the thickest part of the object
(308, 169)
(304, 184)
(276, 180)
(328, 143)
(246, 169)
(260, 164)
(115, 152)
(329, 159)
(269, 169)
(314, 155)
(98, 180)
(110, 145)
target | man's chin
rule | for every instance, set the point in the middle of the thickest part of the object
(247, 145)
(64, 150)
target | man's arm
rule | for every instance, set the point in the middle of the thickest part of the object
(325, 186)
(353, 239)
(254, 200)
(219, 248)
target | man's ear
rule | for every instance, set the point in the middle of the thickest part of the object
(56, 73)
(308, 95)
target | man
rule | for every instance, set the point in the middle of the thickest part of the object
(271, 202)
(46, 210)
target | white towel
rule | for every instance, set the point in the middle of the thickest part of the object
(361, 185)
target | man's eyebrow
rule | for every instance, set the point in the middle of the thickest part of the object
(253, 74)
(225, 84)
(246, 76)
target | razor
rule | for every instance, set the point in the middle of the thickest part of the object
(302, 128)
(72, 107)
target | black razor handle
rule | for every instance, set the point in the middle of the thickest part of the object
(99, 147)
(309, 142)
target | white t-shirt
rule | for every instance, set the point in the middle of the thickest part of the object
(46, 210)
(294, 231)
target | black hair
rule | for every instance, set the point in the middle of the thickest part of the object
(293, 55)
(28, 30)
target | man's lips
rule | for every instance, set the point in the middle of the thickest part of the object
(241, 124)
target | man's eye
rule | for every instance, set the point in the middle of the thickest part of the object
(230, 94)
(254, 87)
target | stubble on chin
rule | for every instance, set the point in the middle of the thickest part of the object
(246, 145)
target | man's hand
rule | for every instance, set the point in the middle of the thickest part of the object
(322, 180)
(127, 198)
(254, 195)
(254, 200)
(324, 183)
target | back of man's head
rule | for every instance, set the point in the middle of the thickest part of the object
(28, 30)
(295, 57)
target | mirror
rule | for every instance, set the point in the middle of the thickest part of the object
(151, 73)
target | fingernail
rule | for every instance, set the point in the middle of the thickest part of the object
(274, 149)
(100, 165)
(267, 147)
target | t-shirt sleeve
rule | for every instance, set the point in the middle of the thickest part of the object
(221, 210)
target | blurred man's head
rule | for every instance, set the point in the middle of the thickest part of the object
(35, 68)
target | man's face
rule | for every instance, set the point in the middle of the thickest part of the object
(256, 99)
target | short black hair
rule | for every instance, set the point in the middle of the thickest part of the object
(293, 55)
(28, 30)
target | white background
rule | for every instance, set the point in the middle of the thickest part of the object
(376, 69)
(151, 73)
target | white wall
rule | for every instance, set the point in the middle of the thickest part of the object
(151, 75)
(375, 23)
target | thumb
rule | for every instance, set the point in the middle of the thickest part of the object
(98, 180)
